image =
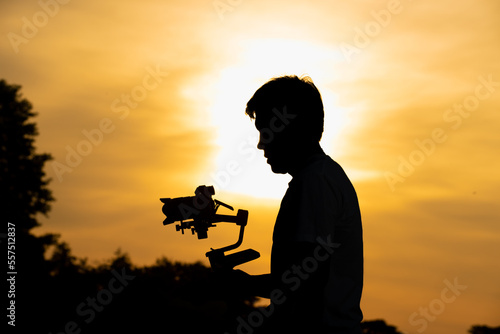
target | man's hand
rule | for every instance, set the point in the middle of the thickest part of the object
(231, 282)
(241, 284)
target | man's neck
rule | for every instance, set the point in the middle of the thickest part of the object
(303, 155)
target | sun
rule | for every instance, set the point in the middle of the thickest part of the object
(239, 165)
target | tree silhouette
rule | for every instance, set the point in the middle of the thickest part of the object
(378, 327)
(23, 194)
(63, 263)
(482, 329)
(23, 184)
(22, 179)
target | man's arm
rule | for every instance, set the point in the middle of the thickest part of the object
(300, 268)
(258, 285)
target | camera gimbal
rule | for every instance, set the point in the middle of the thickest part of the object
(198, 213)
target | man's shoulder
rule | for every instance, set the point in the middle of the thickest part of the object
(322, 169)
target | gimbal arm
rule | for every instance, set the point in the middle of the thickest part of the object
(218, 260)
(241, 220)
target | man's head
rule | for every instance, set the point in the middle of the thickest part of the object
(288, 113)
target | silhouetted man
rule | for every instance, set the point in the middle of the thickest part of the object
(316, 274)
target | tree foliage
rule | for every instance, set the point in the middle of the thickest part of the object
(482, 329)
(23, 182)
(378, 326)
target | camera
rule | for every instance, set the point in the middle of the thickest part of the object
(193, 212)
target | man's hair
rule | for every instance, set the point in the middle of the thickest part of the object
(298, 95)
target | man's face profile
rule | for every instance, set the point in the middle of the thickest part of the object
(276, 143)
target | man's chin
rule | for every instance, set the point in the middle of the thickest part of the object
(278, 169)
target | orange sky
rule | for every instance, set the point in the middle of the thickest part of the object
(152, 95)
